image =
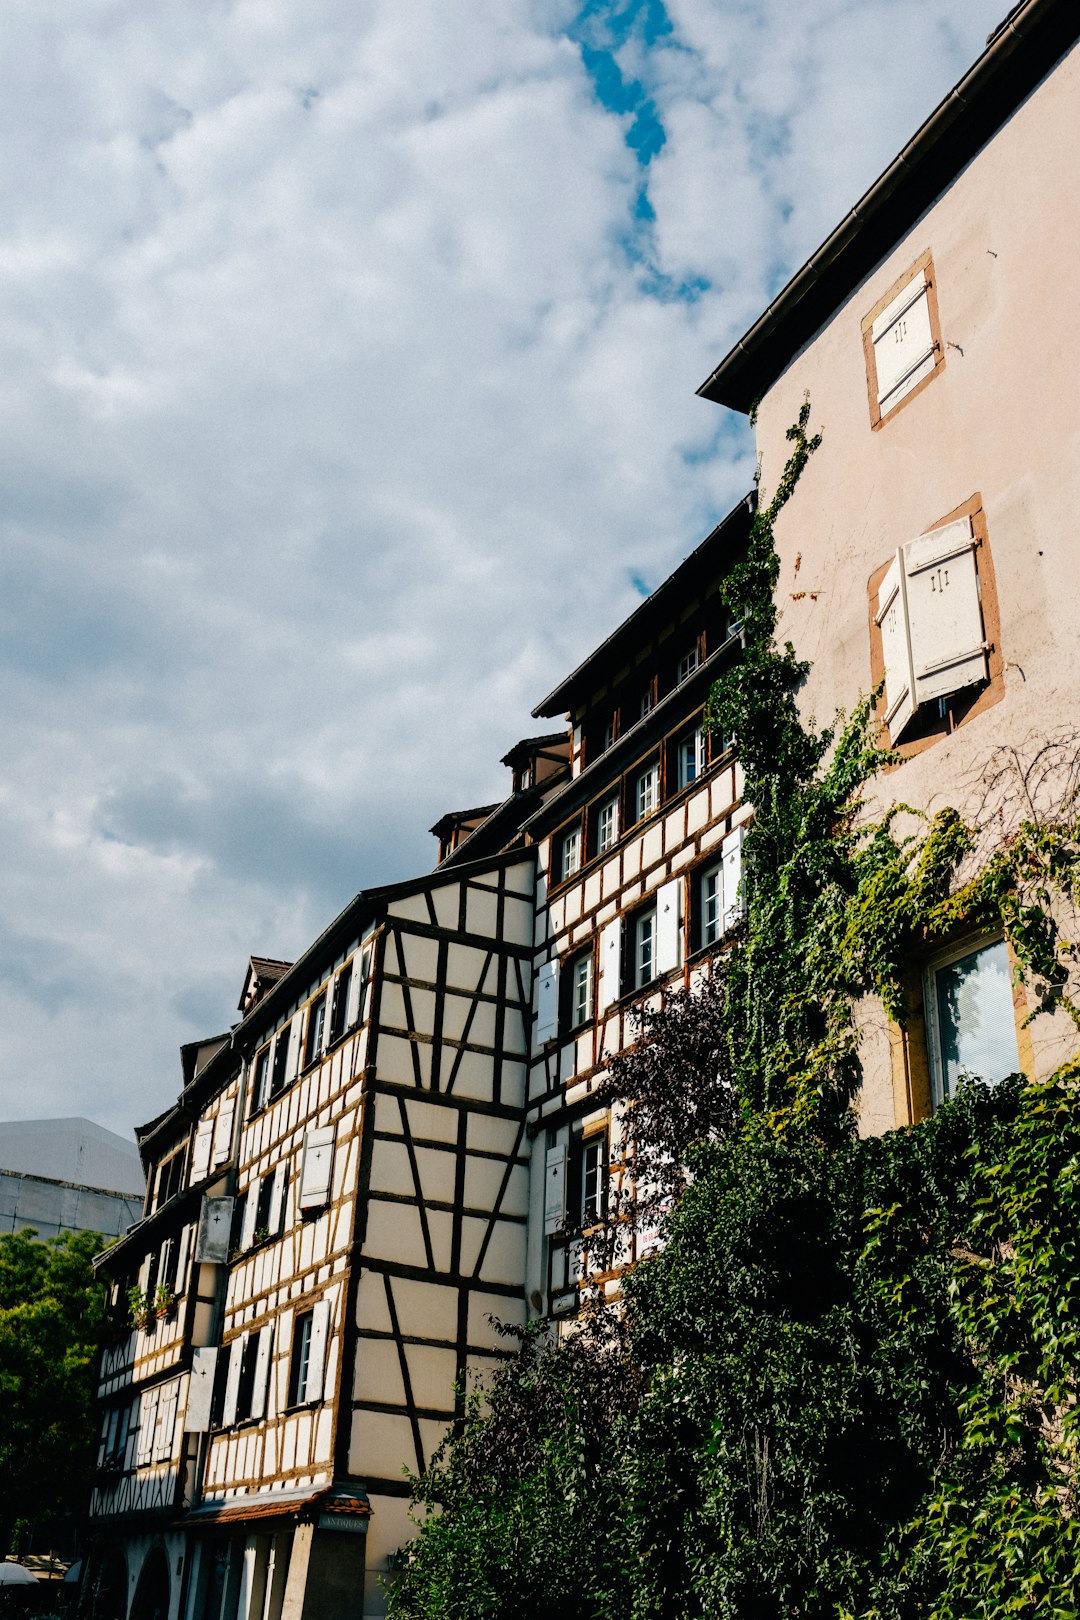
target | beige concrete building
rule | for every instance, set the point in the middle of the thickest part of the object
(931, 542)
(400, 1138)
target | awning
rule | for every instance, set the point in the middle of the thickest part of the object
(332, 1506)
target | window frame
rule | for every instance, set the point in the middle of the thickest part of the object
(972, 945)
(646, 768)
(958, 708)
(698, 740)
(690, 662)
(571, 1022)
(924, 264)
(593, 1145)
(713, 868)
(634, 981)
(315, 1029)
(570, 862)
(611, 803)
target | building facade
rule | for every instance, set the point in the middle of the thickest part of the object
(401, 1140)
(929, 550)
(67, 1175)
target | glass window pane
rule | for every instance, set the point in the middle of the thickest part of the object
(976, 1026)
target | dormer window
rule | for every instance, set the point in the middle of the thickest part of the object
(690, 757)
(647, 791)
(607, 825)
(687, 664)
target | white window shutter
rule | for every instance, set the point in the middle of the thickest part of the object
(903, 343)
(547, 1002)
(948, 650)
(144, 1448)
(731, 860)
(232, 1379)
(610, 986)
(668, 926)
(165, 1427)
(892, 617)
(277, 1199)
(262, 1372)
(223, 1132)
(183, 1255)
(296, 1048)
(316, 1167)
(200, 1158)
(554, 1189)
(200, 1390)
(247, 1225)
(320, 1324)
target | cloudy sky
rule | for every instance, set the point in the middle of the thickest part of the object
(347, 399)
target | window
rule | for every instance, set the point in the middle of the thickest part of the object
(281, 1060)
(246, 1385)
(643, 955)
(316, 1167)
(340, 1005)
(690, 757)
(687, 665)
(301, 1359)
(594, 1177)
(259, 1083)
(646, 792)
(607, 825)
(570, 853)
(934, 629)
(970, 1019)
(579, 982)
(902, 341)
(314, 1038)
(170, 1177)
(710, 898)
(609, 735)
(308, 1354)
(648, 700)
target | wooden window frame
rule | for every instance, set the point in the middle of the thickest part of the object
(570, 1024)
(314, 1030)
(964, 705)
(925, 264)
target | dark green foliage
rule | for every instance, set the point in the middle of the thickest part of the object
(526, 1500)
(51, 1314)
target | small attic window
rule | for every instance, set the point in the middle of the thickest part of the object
(902, 341)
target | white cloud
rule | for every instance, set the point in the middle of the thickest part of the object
(336, 413)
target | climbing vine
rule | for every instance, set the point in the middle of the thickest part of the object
(846, 1386)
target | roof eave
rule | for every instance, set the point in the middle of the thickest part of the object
(1020, 54)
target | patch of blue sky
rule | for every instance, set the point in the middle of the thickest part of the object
(601, 28)
(641, 584)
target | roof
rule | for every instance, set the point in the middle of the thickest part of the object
(337, 1501)
(454, 818)
(72, 1150)
(726, 539)
(524, 750)
(1020, 52)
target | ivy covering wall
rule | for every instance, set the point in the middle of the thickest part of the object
(845, 1388)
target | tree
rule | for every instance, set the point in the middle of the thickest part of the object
(51, 1317)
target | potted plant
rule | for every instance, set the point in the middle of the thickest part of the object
(164, 1300)
(261, 1236)
(139, 1306)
